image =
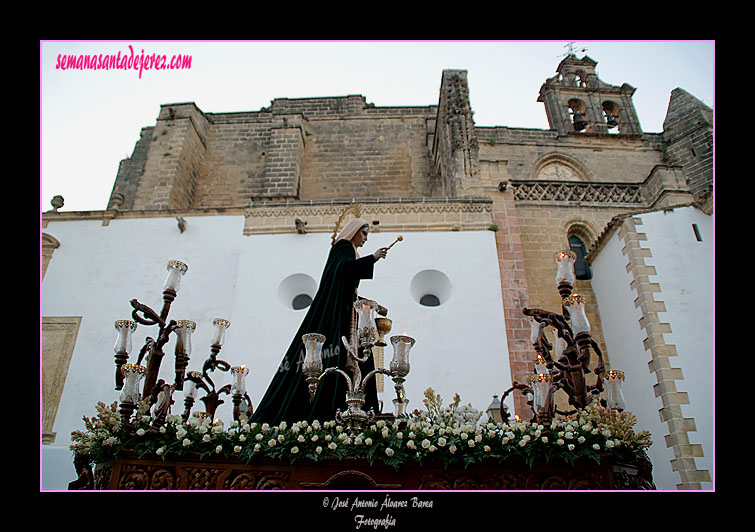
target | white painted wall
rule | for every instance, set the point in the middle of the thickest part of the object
(461, 345)
(684, 270)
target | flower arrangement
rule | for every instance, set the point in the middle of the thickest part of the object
(451, 435)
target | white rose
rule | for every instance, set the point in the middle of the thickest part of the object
(237, 449)
(368, 441)
(596, 447)
(425, 444)
(140, 432)
(318, 450)
(571, 446)
(294, 450)
(389, 451)
(219, 449)
(206, 438)
(332, 446)
(442, 442)
(186, 442)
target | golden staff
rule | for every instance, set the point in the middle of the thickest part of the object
(398, 239)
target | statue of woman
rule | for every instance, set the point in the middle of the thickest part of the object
(330, 314)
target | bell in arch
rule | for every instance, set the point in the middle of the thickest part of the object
(579, 122)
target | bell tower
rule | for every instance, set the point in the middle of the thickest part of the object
(577, 102)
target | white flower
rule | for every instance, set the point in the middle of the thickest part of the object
(596, 447)
(318, 450)
(281, 438)
(385, 432)
(368, 442)
(332, 446)
(470, 443)
(140, 432)
(265, 427)
(544, 439)
(328, 437)
(581, 439)
(237, 449)
(478, 438)
(570, 446)
(559, 441)
(294, 450)
(358, 440)
(399, 435)
(206, 438)
(606, 433)
(301, 438)
(271, 443)
(442, 442)
(464, 435)
(242, 438)
(160, 451)
(410, 444)
(569, 435)
(186, 442)
(432, 448)
(180, 433)
(257, 447)
(315, 437)
(219, 449)
(389, 451)
(452, 448)
(258, 437)
(162, 430)
(425, 443)
(486, 448)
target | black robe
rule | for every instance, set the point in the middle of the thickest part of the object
(287, 396)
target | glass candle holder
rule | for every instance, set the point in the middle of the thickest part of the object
(534, 329)
(614, 380)
(125, 330)
(176, 270)
(575, 305)
(220, 327)
(313, 343)
(132, 376)
(366, 328)
(184, 330)
(565, 267)
(192, 390)
(540, 365)
(238, 374)
(540, 384)
(402, 344)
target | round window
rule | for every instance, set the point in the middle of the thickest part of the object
(297, 291)
(430, 288)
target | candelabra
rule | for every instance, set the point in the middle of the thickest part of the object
(128, 377)
(572, 349)
(365, 334)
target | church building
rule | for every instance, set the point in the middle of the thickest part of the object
(249, 201)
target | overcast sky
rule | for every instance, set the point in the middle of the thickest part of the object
(91, 119)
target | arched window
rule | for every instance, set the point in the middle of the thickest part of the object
(611, 114)
(578, 111)
(581, 268)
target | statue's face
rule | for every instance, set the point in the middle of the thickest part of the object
(361, 237)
